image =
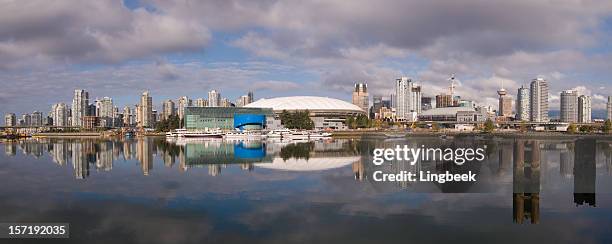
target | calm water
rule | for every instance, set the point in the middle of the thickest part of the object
(150, 190)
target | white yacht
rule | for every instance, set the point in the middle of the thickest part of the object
(278, 134)
(244, 135)
(298, 135)
(176, 133)
(319, 135)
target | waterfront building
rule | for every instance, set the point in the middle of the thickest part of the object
(201, 102)
(214, 98)
(360, 96)
(459, 114)
(538, 100)
(146, 110)
(60, 114)
(584, 109)
(569, 106)
(324, 112)
(10, 119)
(408, 99)
(522, 104)
(444, 101)
(505, 103)
(80, 102)
(226, 118)
(168, 108)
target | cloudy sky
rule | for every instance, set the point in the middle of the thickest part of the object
(277, 48)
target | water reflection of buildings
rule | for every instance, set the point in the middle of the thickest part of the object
(584, 172)
(144, 154)
(526, 183)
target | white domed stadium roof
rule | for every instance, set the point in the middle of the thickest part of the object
(304, 103)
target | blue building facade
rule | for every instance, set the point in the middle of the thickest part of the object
(226, 118)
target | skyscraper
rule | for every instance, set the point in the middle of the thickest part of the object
(584, 109)
(225, 103)
(444, 100)
(10, 119)
(609, 107)
(36, 118)
(168, 109)
(569, 106)
(80, 101)
(182, 103)
(505, 103)
(104, 110)
(242, 100)
(146, 110)
(522, 104)
(538, 100)
(26, 120)
(128, 116)
(60, 114)
(251, 97)
(377, 104)
(408, 98)
(214, 98)
(360, 96)
(201, 102)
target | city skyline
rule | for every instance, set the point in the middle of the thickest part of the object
(126, 51)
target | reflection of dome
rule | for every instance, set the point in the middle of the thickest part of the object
(312, 164)
(313, 104)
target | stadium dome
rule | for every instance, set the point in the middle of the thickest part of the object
(311, 103)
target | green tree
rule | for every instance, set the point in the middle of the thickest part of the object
(607, 126)
(523, 126)
(435, 126)
(489, 126)
(571, 128)
(586, 129)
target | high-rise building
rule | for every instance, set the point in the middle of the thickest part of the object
(505, 103)
(360, 96)
(80, 101)
(609, 107)
(444, 100)
(182, 103)
(377, 104)
(584, 109)
(201, 102)
(36, 118)
(214, 98)
(522, 104)
(146, 110)
(60, 114)
(569, 106)
(128, 116)
(408, 98)
(225, 103)
(251, 97)
(26, 120)
(105, 111)
(243, 100)
(168, 109)
(10, 119)
(538, 100)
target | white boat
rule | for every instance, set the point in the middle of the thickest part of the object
(319, 135)
(278, 134)
(244, 135)
(207, 134)
(299, 135)
(176, 133)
